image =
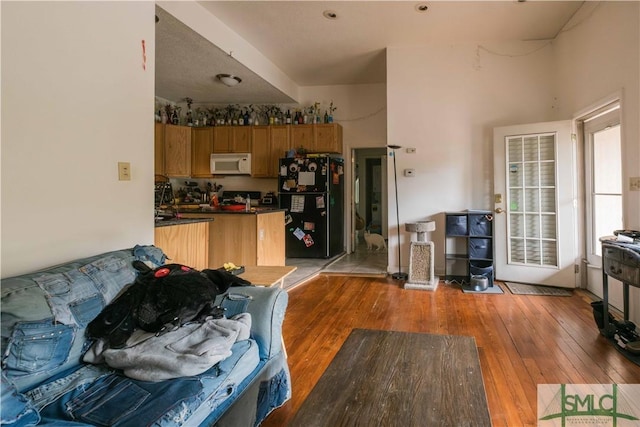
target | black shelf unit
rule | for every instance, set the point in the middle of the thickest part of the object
(468, 245)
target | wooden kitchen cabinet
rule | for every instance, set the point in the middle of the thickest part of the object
(186, 244)
(201, 149)
(221, 137)
(245, 239)
(302, 136)
(177, 151)
(327, 138)
(232, 139)
(280, 144)
(260, 152)
(158, 148)
(317, 138)
(269, 144)
(241, 139)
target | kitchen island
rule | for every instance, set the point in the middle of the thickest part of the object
(184, 241)
(244, 238)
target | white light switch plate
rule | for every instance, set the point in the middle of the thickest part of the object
(124, 171)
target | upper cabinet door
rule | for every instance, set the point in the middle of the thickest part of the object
(261, 152)
(328, 138)
(241, 139)
(280, 144)
(221, 138)
(201, 149)
(302, 137)
(158, 151)
(177, 151)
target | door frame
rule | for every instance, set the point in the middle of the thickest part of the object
(359, 155)
(591, 274)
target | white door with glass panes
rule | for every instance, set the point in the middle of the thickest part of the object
(535, 204)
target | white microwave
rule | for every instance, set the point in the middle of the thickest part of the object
(231, 164)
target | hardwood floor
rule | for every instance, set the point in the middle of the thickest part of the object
(522, 340)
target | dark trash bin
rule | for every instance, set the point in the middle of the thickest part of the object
(482, 268)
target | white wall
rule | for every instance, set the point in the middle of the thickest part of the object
(361, 111)
(597, 56)
(445, 100)
(75, 101)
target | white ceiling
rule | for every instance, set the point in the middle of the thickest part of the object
(313, 50)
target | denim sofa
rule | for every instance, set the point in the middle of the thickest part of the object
(45, 382)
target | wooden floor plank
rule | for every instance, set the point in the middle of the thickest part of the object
(522, 340)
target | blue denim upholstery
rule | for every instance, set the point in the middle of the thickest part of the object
(16, 410)
(44, 381)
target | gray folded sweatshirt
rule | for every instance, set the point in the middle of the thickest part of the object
(189, 350)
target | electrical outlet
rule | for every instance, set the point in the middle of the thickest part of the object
(124, 171)
(409, 172)
(634, 183)
(411, 150)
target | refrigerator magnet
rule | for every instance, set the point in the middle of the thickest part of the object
(306, 178)
(283, 170)
(308, 240)
(298, 233)
(288, 219)
(297, 203)
(309, 226)
(336, 178)
(320, 202)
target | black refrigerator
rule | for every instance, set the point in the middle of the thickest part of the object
(311, 189)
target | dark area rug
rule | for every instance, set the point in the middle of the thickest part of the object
(388, 378)
(524, 289)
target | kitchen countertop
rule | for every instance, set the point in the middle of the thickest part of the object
(254, 211)
(180, 221)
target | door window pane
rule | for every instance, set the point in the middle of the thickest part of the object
(604, 180)
(531, 179)
(607, 177)
(607, 213)
(533, 199)
(548, 199)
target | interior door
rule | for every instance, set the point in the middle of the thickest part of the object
(535, 204)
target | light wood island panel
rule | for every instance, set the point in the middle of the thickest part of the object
(185, 244)
(245, 239)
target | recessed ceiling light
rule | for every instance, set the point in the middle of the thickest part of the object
(422, 7)
(330, 14)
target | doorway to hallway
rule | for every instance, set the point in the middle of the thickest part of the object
(369, 195)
